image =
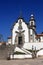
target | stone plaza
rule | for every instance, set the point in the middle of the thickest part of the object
(37, 61)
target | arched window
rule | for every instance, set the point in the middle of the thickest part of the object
(31, 23)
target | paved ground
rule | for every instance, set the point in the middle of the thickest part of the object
(37, 61)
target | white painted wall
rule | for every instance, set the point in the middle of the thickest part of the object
(34, 37)
(41, 38)
(20, 56)
(31, 32)
(15, 28)
(38, 45)
(9, 41)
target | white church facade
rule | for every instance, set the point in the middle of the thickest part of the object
(25, 35)
(24, 38)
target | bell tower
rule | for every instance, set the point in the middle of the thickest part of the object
(32, 28)
(32, 22)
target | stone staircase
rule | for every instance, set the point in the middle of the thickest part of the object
(26, 51)
(6, 49)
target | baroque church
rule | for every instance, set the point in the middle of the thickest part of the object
(23, 38)
(25, 33)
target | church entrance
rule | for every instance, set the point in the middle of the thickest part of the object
(20, 42)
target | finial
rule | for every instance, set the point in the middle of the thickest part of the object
(20, 16)
(32, 15)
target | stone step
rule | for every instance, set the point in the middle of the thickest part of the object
(26, 51)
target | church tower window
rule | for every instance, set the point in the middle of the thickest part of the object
(31, 23)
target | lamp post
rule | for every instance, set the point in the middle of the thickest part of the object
(35, 52)
(32, 52)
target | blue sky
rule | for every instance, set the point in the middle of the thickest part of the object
(10, 11)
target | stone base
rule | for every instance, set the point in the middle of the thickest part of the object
(20, 56)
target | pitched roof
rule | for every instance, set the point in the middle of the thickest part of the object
(39, 34)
